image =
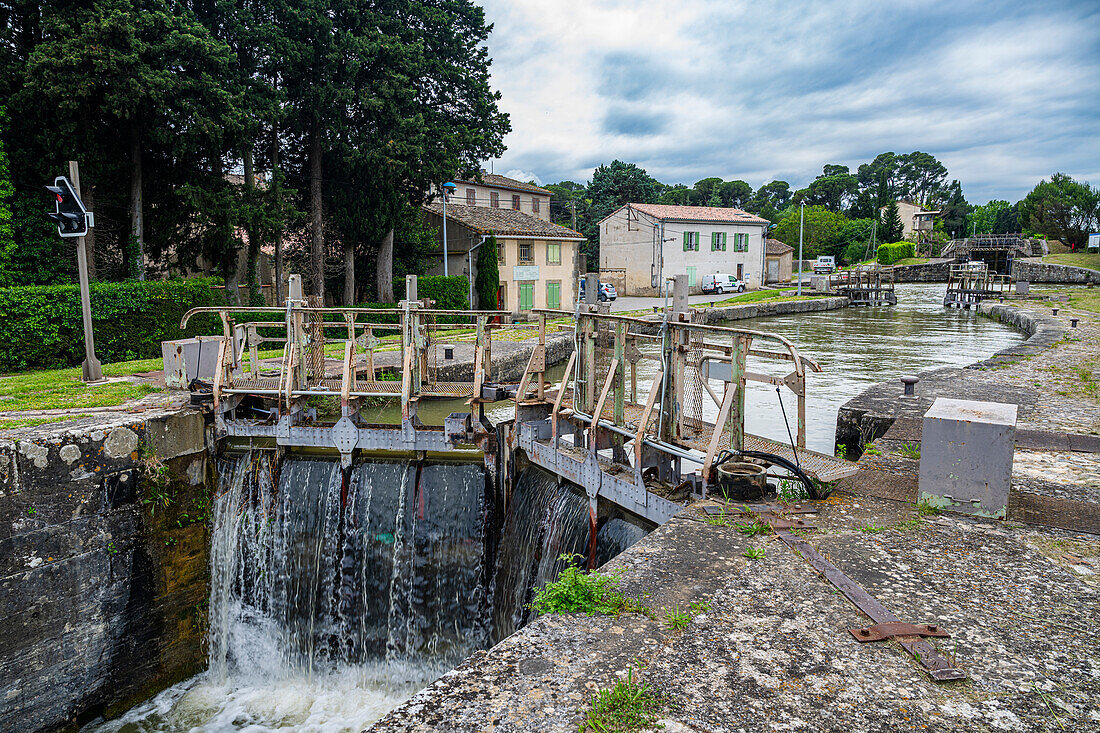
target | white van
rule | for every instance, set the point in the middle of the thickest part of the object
(721, 283)
(824, 265)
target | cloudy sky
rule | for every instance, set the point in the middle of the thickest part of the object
(1003, 93)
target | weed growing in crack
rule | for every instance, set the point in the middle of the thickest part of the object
(755, 553)
(676, 619)
(927, 509)
(576, 591)
(753, 528)
(910, 451)
(627, 706)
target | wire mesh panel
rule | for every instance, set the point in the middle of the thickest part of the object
(694, 392)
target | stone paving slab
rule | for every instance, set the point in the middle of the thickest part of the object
(773, 652)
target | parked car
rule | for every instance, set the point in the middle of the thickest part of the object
(606, 292)
(824, 265)
(721, 283)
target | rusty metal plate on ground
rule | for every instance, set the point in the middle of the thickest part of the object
(881, 632)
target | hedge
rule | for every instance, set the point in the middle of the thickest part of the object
(449, 293)
(890, 253)
(41, 325)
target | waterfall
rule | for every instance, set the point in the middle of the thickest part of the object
(385, 564)
(336, 595)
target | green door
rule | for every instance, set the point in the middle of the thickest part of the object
(526, 296)
(553, 295)
(691, 277)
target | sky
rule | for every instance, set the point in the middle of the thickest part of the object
(1002, 93)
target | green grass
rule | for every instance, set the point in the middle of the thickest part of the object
(1076, 259)
(926, 509)
(30, 422)
(576, 591)
(626, 707)
(755, 553)
(62, 389)
(913, 261)
(755, 296)
(872, 528)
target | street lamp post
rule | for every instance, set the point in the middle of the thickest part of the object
(801, 221)
(448, 187)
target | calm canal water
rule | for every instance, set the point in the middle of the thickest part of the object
(858, 347)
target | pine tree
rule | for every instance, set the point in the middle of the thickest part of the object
(487, 282)
(891, 228)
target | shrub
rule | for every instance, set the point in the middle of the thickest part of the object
(890, 253)
(41, 325)
(449, 293)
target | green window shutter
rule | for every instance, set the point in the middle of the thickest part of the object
(723, 241)
(553, 295)
(687, 241)
(698, 236)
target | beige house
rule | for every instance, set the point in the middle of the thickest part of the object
(501, 192)
(537, 259)
(916, 221)
(778, 261)
(643, 244)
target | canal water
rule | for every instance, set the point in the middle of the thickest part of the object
(858, 347)
(333, 601)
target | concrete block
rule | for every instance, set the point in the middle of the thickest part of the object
(188, 359)
(1023, 287)
(966, 456)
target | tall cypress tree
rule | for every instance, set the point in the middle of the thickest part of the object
(487, 282)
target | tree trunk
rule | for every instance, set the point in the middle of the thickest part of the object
(349, 274)
(384, 269)
(279, 209)
(317, 244)
(255, 292)
(88, 197)
(137, 215)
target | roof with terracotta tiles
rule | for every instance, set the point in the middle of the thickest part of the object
(502, 222)
(492, 179)
(715, 214)
(775, 247)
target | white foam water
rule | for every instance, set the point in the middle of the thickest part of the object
(333, 598)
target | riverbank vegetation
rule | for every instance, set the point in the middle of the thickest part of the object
(1088, 260)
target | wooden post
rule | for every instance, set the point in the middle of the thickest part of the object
(91, 368)
(737, 413)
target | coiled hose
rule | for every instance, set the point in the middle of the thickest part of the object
(814, 490)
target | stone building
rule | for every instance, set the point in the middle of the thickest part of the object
(778, 261)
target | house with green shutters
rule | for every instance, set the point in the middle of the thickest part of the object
(641, 245)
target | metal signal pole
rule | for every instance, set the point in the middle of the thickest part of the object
(801, 221)
(92, 369)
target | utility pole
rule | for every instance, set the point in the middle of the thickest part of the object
(573, 210)
(801, 221)
(447, 188)
(92, 369)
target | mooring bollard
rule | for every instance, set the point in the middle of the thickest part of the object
(1054, 310)
(1073, 322)
(910, 386)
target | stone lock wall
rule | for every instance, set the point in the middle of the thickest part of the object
(104, 566)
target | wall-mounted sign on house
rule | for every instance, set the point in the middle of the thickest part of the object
(643, 244)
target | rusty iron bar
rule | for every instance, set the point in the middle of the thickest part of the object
(938, 667)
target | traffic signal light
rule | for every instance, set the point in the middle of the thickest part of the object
(70, 215)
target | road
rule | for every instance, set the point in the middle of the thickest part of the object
(634, 303)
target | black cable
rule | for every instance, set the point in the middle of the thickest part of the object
(789, 436)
